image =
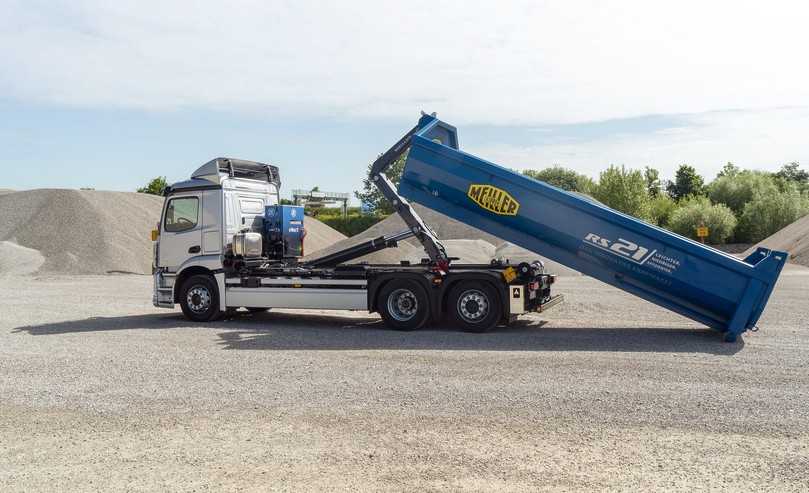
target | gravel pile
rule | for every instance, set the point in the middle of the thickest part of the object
(319, 235)
(470, 251)
(16, 260)
(793, 239)
(77, 231)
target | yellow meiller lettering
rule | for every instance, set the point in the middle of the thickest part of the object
(493, 199)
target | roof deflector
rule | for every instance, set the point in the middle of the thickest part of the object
(238, 168)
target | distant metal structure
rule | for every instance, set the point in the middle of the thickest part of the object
(316, 198)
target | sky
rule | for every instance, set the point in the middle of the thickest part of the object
(110, 94)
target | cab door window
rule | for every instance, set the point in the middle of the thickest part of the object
(182, 214)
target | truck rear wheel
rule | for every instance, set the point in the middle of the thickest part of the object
(199, 298)
(474, 306)
(404, 305)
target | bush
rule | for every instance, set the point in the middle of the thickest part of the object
(353, 224)
(661, 207)
(624, 190)
(769, 212)
(695, 212)
(736, 190)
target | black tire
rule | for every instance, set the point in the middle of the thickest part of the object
(474, 306)
(404, 305)
(199, 298)
(256, 309)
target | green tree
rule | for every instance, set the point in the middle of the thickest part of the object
(155, 187)
(792, 172)
(769, 212)
(790, 175)
(624, 190)
(564, 178)
(728, 169)
(687, 183)
(661, 208)
(652, 177)
(735, 190)
(370, 196)
(698, 211)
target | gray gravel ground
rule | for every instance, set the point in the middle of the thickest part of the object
(99, 391)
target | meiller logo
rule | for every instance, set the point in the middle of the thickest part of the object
(622, 247)
(493, 199)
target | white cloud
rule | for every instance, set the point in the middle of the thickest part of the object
(763, 139)
(516, 62)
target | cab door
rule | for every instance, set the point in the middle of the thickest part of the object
(181, 230)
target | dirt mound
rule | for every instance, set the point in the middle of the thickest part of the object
(793, 239)
(319, 235)
(78, 231)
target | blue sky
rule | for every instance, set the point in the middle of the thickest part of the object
(108, 96)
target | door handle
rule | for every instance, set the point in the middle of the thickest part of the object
(194, 249)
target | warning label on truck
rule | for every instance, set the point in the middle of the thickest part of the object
(493, 199)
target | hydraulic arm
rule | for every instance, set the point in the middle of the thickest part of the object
(432, 246)
(360, 250)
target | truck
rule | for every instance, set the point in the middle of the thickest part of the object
(225, 242)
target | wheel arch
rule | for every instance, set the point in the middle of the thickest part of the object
(493, 279)
(188, 272)
(377, 283)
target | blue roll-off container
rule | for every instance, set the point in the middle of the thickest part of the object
(669, 270)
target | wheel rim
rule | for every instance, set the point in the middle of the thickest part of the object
(473, 305)
(198, 299)
(403, 305)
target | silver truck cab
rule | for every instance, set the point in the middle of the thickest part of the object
(199, 219)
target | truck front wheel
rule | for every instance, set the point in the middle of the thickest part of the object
(404, 305)
(474, 306)
(199, 298)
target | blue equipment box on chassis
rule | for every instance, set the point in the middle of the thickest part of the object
(283, 226)
(694, 280)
